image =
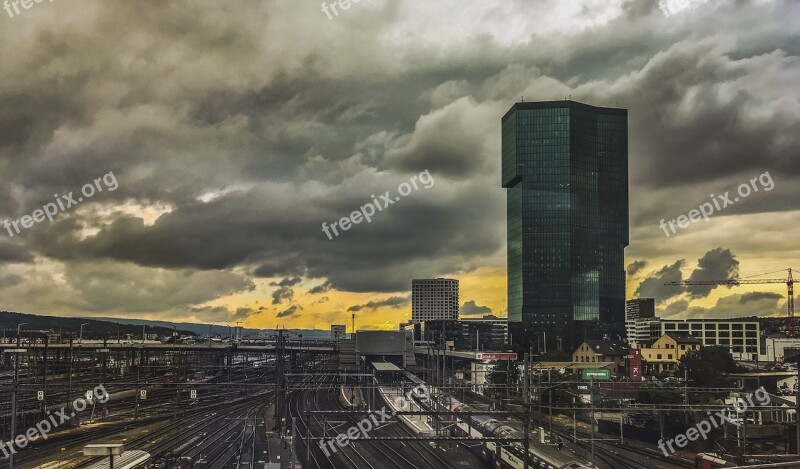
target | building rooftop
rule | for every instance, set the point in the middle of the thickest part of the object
(607, 348)
(567, 103)
(385, 367)
(684, 338)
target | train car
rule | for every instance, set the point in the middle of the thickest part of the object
(132, 459)
(510, 455)
(171, 461)
(169, 378)
(710, 461)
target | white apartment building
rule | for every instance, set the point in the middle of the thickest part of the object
(740, 336)
(434, 299)
(338, 331)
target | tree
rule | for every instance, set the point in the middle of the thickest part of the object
(705, 367)
(505, 373)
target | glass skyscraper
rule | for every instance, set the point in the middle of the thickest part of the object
(565, 165)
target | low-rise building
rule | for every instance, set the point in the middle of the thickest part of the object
(602, 352)
(740, 336)
(665, 352)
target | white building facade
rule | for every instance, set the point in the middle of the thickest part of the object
(434, 299)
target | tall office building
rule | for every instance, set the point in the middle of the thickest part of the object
(640, 308)
(565, 165)
(434, 299)
(639, 313)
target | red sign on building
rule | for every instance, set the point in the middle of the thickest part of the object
(635, 365)
(495, 356)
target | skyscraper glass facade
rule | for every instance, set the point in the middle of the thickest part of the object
(565, 165)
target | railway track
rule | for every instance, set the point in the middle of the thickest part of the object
(628, 456)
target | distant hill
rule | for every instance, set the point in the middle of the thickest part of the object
(94, 328)
(196, 328)
(215, 329)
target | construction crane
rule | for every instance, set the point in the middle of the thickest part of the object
(791, 329)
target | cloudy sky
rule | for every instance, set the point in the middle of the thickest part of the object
(230, 131)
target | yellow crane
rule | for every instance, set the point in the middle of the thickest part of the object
(791, 329)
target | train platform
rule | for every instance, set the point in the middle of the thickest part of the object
(417, 423)
(351, 397)
(272, 457)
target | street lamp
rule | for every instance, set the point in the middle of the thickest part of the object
(80, 337)
(19, 327)
(14, 392)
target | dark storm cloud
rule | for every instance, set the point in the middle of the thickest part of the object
(282, 294)
(320, 301)
(285, 291)
(391, 302)
(10, 280)
(320, 288)
(635, 267)
(245, 136)
(717, 264)
(10, 253)
(737, 305)
(757, 296)
(469, 308)
(674, 308)
(287, 282)
(277, 267)
(193, 235)
(290, 311)
(653, 286)
(221, 313)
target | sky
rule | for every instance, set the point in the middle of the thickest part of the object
(189, 153)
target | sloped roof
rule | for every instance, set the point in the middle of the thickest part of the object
(684, 338)
(607, 348)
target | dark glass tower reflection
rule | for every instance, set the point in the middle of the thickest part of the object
(565, 165)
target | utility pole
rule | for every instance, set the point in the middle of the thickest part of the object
(591, 399)
(444, 360)
(539, 395)
(526, 383)
(797, 410)
(550, 398)
(527, 441)
(279, 381)
(14, 395)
